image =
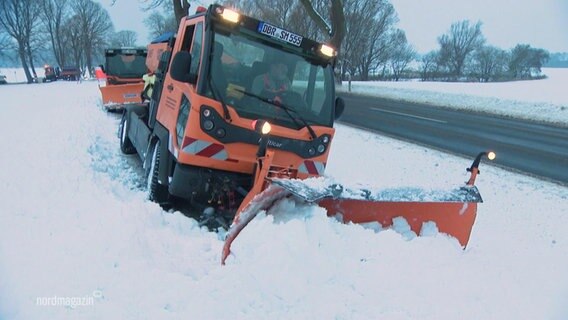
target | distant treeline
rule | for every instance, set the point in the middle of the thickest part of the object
(557, 60)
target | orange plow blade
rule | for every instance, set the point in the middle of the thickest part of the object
(451, 211)
(121, 94)
(453, 218)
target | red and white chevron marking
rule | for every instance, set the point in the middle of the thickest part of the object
(312, 167)
(204, 148)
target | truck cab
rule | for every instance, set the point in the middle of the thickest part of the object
(123, 72)
(196, 136)
(125, 65)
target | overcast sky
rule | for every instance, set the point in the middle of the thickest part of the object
(506, 23)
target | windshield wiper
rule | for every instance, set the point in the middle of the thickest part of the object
(217, 95)
(286, 109)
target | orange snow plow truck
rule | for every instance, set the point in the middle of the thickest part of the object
(242, 115)
(123, 70)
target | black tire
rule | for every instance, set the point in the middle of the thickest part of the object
(125, 144)
(156, 192)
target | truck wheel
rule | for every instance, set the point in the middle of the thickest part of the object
(125, 144)
(156, 192)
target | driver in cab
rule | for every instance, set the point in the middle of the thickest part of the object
(272, 84)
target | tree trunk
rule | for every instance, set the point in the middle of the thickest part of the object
(181, 9)
(22, 54)
(31, 60)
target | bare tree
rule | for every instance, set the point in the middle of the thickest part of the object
(95, 26)
(17, 19)
(429, 65)
(336, 28)
(72, 36)
(180, 7)
(303, 24)
(460, 42)
(289, 14)
(381, 40)
(5, 42)
(54, 13)
(526, 60)
(489, 63)
(124, 38)
(34, 42)
(402, 54)
(160, 24)
(369, 24)
(359, 15)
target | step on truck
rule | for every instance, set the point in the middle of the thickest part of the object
(219, 134)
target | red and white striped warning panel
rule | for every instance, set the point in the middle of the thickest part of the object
(312, 167)
(204, 148)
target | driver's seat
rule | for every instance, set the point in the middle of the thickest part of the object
(258, 68)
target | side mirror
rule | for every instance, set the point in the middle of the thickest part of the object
(179, 70)
(339, 107)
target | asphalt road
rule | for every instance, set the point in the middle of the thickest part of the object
(533, 148)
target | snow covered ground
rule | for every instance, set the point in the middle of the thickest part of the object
(79, 240)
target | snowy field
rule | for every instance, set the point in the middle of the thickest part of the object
(17, 75)
(79, 240)
(541, 100)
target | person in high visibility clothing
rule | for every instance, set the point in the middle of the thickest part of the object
(149, 80)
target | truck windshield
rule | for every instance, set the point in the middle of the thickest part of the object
(252, 76)
(124, 65)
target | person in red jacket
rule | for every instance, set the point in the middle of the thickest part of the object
(273, 83)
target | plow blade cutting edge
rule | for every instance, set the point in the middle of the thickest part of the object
(452, 211)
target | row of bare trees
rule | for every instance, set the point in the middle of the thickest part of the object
(464, 55)
(63, 32)
(363, 30)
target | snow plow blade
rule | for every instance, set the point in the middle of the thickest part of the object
(452, 212)
(117, 95)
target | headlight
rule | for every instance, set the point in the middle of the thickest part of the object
(261, 126)
(327, 50)
(228, 14)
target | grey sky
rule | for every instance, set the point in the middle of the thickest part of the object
(540, 23)
(506, 23)
(128, 15)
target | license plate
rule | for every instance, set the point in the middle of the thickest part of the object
(280, 34)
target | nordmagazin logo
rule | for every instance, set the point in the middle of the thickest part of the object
(70, 302)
